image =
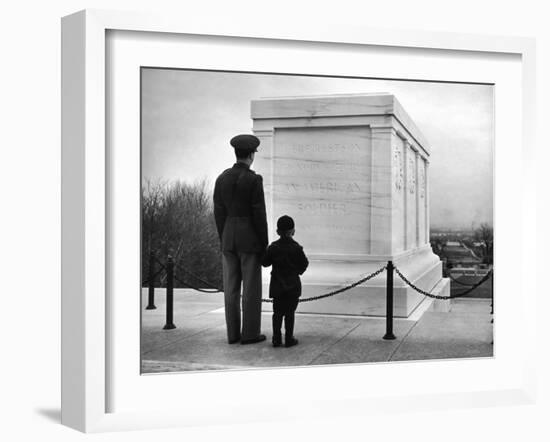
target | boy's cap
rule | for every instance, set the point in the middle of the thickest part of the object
(285, 223)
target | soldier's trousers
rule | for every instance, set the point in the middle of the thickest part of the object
(246, 268)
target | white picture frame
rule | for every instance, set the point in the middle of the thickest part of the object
(86, 203)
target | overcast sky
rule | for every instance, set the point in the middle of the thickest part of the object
(188, 118)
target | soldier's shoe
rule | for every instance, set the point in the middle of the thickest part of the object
(276, 341)
(291, 342)
(260, 338)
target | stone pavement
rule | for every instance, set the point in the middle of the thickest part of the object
(199, 341)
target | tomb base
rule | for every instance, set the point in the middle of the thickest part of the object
(421, 266)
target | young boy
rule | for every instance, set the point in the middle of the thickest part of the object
(289, 261)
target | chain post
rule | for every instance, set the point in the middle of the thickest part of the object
(169, 294)
(492, 291)
(151, 282)
(492, 299)
(492, 296)
(389, 302)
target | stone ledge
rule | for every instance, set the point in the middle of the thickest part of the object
(347, 105)
(443, 288)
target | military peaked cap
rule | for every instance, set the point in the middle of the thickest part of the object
(245, 142)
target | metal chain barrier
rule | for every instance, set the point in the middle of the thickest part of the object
(477, 284)
(459, 282)
(162, 266)
(269, 300)
(158, 272)
(208, 284)
(456, 295)
(213, 289)
(186, 284)
(336, 292)
(389, 267)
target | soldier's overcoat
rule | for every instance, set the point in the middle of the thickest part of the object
(239, 210)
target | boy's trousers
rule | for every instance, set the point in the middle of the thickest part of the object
(245, 267)
(284, 307)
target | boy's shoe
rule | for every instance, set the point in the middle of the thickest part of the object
(290, 342)
(276, 342)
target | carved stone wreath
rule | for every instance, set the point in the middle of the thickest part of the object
(422, 180)
(412, 175)
(398, 168)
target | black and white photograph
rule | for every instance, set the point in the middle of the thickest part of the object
(302, 220)
(297, 220)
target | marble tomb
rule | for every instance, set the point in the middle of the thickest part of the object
(352, 170)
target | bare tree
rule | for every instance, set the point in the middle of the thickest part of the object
(177, 220)
(484, 234)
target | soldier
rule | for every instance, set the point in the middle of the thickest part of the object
(239, 210)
